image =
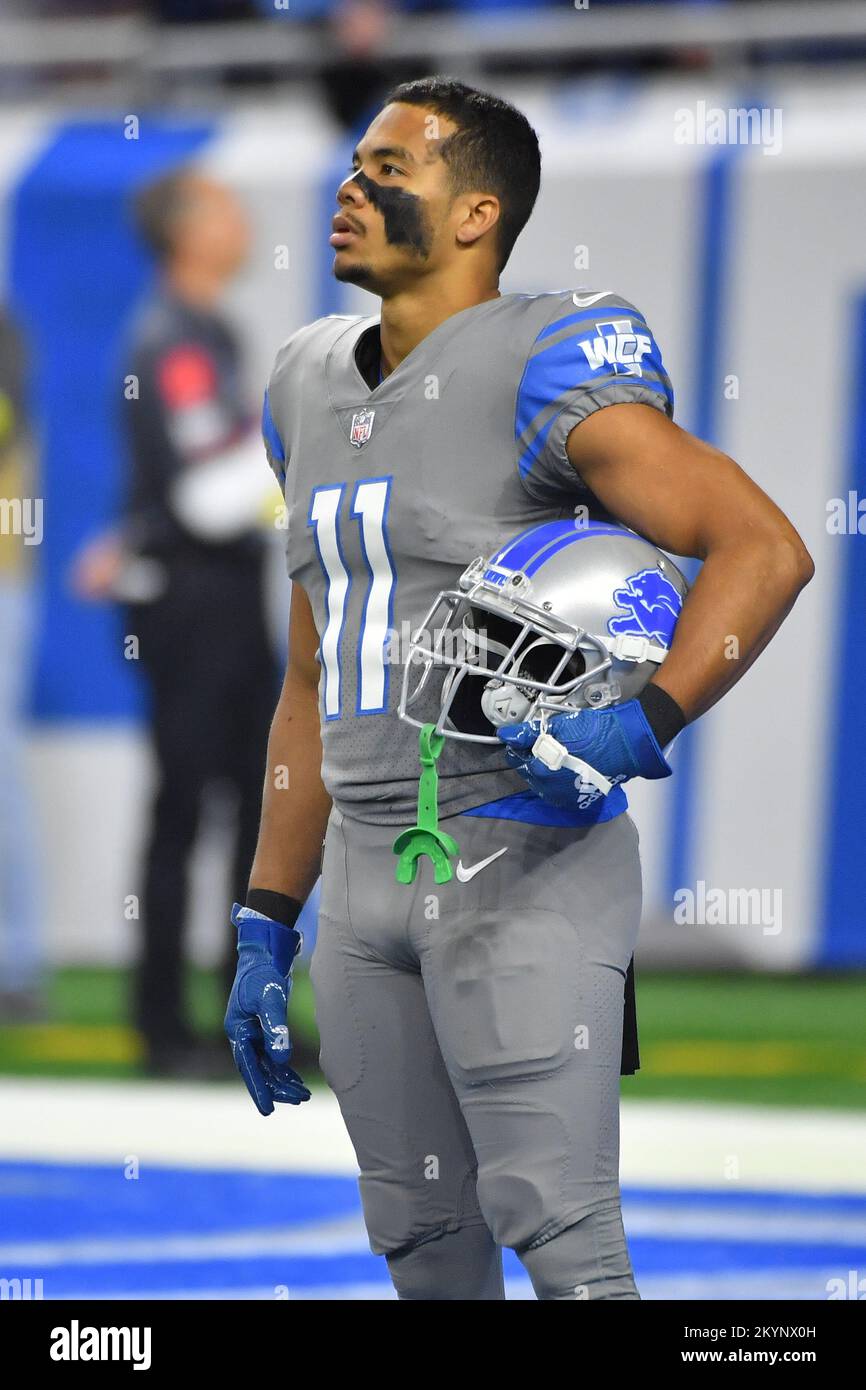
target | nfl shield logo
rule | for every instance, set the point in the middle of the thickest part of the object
(362, 427)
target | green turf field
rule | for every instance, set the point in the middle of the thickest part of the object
(765, 1040)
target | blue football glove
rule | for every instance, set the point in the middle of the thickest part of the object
(255, 1020)
(584, 754)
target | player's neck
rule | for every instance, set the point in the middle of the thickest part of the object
(408, 318)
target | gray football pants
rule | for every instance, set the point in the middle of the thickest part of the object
(471, 1032)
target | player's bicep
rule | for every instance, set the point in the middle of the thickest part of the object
(679, 492)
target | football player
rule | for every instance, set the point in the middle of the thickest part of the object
(471, 1026)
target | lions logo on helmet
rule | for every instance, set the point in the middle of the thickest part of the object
(653, 606)
(560, 617)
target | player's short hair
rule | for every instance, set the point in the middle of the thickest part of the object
(493, 148)
(156, 207)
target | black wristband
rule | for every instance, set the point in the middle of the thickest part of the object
(662, 712)
(278, 906)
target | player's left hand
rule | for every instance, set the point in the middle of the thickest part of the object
(616, 742)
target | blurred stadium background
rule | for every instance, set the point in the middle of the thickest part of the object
(744, 1134)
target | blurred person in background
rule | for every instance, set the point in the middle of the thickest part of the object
(188, 560)
(21, 949)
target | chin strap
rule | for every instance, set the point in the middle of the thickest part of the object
(553, 754)
(426, 837)
(630, 646)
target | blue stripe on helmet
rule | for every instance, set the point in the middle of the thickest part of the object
(570, 534)
(531, 549)
(518, 552)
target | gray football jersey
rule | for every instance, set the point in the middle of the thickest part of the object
(391, 492)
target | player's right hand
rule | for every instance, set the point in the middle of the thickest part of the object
(255, 1020)
(617, 742)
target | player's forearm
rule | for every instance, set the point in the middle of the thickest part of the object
(295, 805)
(739, 600)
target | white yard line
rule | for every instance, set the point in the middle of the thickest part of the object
(773, 1286)
(332, 1240)
(664, 1143)
(731, 1147)
(322, 1239)
(186, 1125)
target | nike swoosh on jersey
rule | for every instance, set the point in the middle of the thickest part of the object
(464, 875)
(583, 301)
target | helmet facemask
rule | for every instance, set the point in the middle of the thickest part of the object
(505, 661)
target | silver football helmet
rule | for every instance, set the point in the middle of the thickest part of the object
(563, 616)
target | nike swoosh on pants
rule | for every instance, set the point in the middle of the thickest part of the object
(464, 875)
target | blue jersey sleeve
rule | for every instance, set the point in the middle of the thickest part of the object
(595, 350)
(273, 444)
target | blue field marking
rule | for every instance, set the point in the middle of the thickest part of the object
(88, 1232)
(56, 1201)
(733, 1198)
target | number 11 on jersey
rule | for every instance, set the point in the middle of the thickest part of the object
(370, 509)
